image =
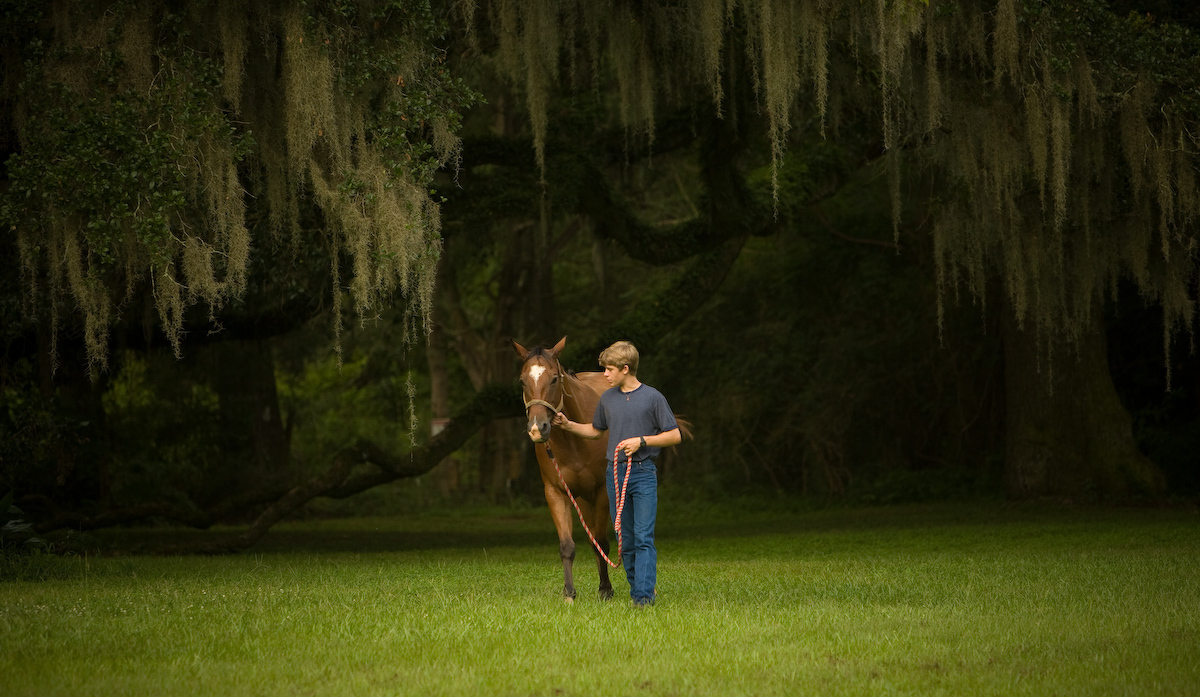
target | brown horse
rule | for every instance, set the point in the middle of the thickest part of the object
(549, 389)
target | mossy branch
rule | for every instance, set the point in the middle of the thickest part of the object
(495, 401)
(647, 322)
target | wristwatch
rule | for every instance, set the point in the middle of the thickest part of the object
(643, 441)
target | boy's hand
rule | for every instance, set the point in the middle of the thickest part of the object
(560, 420)
(630, 446)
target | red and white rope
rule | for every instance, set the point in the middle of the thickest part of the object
(624, 488)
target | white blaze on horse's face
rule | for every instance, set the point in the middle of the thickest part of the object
(539, 426)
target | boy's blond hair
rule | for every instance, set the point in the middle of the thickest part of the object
(621, 354)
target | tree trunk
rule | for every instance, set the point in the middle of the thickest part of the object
(243, 376)
(445, 475)
(84, 455)
(1068, 435)
(522, 290)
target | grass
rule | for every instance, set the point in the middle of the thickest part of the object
(948, 599)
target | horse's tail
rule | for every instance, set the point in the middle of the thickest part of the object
(685, 427)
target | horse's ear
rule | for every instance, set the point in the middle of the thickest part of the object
(558, 347)
(520, 350)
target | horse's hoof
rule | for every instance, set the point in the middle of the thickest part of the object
(569, 601)
(606, 594)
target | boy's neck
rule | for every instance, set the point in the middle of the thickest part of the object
(630, 384)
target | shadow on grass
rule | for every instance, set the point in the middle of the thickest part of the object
(481, 529)
(353, 535)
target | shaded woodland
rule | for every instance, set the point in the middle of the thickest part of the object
(262, 261)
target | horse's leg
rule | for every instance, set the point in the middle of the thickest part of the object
(599, 521)
(560, 511)
(595, 523)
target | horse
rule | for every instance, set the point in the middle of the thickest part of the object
(548, 389)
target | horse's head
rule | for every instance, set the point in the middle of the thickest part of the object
(542, 385)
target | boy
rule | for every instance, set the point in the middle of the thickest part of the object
(640, 424)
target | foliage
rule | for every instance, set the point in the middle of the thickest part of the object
(816, 369)
(26, 557)
(1165, 423)
(16, 533)
(1099, 181)
(1064, 133)
(170, 419)
(143, 157)
(1038, 153)
(1031, 155)
(846, 379)
(44, 443)
(167, 440)
(367, 396)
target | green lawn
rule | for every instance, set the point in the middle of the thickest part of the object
(980, 599)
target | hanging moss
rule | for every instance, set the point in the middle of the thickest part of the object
(1066, 135)
(145, 129)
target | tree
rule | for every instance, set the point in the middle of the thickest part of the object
(1061, 139)
(239, 159)
(250, 296)
(1047, 146)
(154, 148)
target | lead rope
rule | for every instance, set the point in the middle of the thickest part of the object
(620, 500)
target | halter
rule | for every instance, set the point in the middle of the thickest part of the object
(544, 403)
(562, 396)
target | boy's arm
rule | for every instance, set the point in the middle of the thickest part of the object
(665, 439)
(658, 440)
(582, 430)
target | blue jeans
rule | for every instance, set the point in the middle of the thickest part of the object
(637, 525)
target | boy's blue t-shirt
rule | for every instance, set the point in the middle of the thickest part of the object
(643, 412)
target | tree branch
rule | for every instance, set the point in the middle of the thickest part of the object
(650, 320)
(495, 401)
(824, 220)
(184, 513)
(498, 401)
